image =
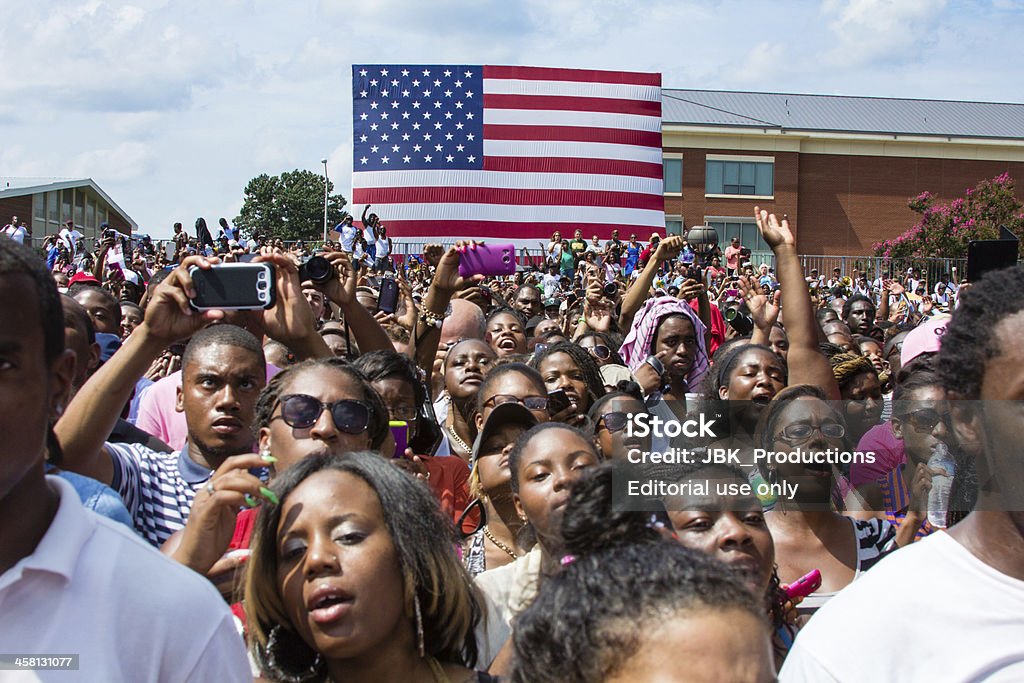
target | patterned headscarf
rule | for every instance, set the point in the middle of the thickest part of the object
(637, 345)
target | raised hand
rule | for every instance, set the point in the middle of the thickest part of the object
(775, 234)
(763, 311)
(169, 317)
(290, 319)
(669, 248)
(341, 289)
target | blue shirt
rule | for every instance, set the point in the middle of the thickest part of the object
(97, 497)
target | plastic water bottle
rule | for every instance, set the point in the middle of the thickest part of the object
(938, 497)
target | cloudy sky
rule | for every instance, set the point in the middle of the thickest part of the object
(173, 106)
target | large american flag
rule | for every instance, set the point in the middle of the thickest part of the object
(444, 151)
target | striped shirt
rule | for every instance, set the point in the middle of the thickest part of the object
(896, 500)
(157, 488)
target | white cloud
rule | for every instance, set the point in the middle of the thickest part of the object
(868, 31)
(123, 162)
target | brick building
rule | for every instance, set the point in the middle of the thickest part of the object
(842, 167)
(46, 205)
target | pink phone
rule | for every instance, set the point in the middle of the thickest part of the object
(488, 259)
(805, 585)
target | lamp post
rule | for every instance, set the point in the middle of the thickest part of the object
(324, 162)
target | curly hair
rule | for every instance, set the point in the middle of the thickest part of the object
(271, 394)
(971, 340)
(848, 306)
(590, 619)
(583, 360)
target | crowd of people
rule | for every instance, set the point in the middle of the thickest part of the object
(427, 486)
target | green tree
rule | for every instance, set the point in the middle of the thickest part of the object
(289, 206)
(944, 230)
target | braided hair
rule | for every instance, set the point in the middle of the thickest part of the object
(583, 360)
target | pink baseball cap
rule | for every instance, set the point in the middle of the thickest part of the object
(925, 338)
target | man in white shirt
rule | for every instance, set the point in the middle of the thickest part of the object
(16, 231)
(347, 233)
(951, 606)
(73, 583)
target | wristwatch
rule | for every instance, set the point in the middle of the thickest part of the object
(655, 363)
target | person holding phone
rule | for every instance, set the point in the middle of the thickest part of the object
(571, 374)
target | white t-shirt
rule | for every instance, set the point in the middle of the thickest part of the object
(348, 237)
(93, 588)
(551, 284)
(929, 612)
(16, 233)
(383, 247)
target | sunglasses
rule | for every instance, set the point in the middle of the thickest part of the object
(300, 411)
(924, 421)
(600, 351)
(614, 422)
(529, 402)
(797, 433)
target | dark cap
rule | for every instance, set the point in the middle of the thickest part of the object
(503, 414)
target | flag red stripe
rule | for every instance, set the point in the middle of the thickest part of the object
(645, 138)
(532, 73)
(510, 230)
(494, 195)
(572, 165)
(567, 103)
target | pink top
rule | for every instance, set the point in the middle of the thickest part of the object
(889, 455)
(157, 413)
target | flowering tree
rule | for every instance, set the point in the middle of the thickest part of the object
(944, 230)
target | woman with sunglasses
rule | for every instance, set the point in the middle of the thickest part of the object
(352, 579)
(632, 256)
(610, 415)
(921, 420)
(808, 529)
(464, 369)
(601, 347)
(313, 409)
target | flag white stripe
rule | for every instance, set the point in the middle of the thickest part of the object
(525, 214)
(545, 117)
(571, 150)
(507, 180)
(615, 91)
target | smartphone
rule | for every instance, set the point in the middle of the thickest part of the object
(400, 432)
(233, 287)
(558, 401)
(387, 300)
(805, 585)
(488, 259)
(986, 255)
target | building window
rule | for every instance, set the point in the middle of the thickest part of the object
(52, 210)
(673, 225)
(744, 228)
(79, 208)
(742, 176)
(672, 172)
(67, 198)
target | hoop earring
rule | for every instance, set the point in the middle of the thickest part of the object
(419, 623)
(275, 656)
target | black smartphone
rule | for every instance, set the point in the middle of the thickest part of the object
(558, 401)
(986, 255)
(387, 300)
(233, 287)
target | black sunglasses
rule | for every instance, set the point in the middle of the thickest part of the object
(300, 411)
(614, 422)
(529, 402)
(924, 420)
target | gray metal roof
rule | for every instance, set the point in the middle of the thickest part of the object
(19, 187)
(836, 113)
